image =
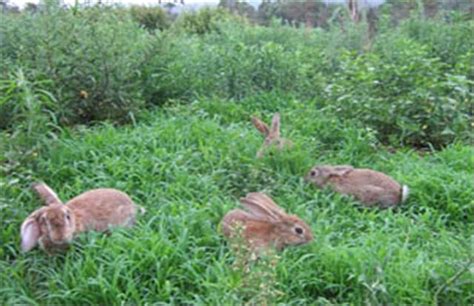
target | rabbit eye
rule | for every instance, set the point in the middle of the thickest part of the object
(313, 173)
(299, 230)
(68, 217)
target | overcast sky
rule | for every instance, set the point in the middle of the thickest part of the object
(142, 2)
(21, 3)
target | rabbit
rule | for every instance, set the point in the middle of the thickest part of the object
(368, 186)
(265, 225)
(54, 226)
(272, 135)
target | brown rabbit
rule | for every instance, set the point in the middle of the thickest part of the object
(54, 226)
(368, 186)
(272, 135)
(265, 225)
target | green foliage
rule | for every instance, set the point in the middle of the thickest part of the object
(151, 18)
(398, 86)
(234, 63)
(342, 96)
(205, 21)
(189, 164)
(26, 112)
(445, 41)
(23, 103)
(89, 57)
(412, 84)
(405, 94)
(241, 8)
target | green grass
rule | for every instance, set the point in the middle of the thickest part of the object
(188, 165)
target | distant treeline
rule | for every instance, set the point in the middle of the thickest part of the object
(308, 13)
(312, 13)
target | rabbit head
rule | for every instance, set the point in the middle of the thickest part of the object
(271, 134)
(319, 175)
(52, 225)
(266, 224)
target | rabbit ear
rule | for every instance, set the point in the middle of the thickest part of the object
(276, 125)
(260, 125)
(262, 206)
(46, 194)
(340, 170)
(30, 233)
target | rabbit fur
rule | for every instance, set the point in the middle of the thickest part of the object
(368, 186)
(55, 225)
(271, 134)
(265, 225)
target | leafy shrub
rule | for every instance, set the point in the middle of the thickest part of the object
(404, 94)
(235, 63)
(23, 103)
(404, 83)
(93, 58)
(205, 20)
(151, 18)
(443, 39)
(26, 112)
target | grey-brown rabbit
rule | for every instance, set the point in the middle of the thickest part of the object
(271, 134)
(368, 186)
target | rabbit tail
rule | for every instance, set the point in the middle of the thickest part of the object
(405, 193)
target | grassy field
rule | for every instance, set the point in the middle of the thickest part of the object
(160, 108)
(188, 165)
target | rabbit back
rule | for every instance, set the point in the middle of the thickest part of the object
(375, 178)
(99, 209)
(369, 187)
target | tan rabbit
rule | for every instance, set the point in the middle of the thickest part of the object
(272, 135)
(265, 225)
(54, 226)
(368, 186)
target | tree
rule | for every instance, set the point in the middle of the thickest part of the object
(308, 12)
(239, 7)
(266, 11)
(430, 8)
(353, 6)
(31, 7)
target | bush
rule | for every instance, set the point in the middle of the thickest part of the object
(151, 18)
(26, 111)
(444, 40)
(205, 20)
(92, 57)
(405, 94)
(409, 84)
(234, 63)
(23, 103)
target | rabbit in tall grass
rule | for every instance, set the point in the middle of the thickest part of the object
(265, 225)
(272, 134)
(54, 226)
(368, 186)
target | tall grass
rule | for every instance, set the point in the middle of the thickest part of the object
(189, 164)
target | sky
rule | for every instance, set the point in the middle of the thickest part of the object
(21, 3)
